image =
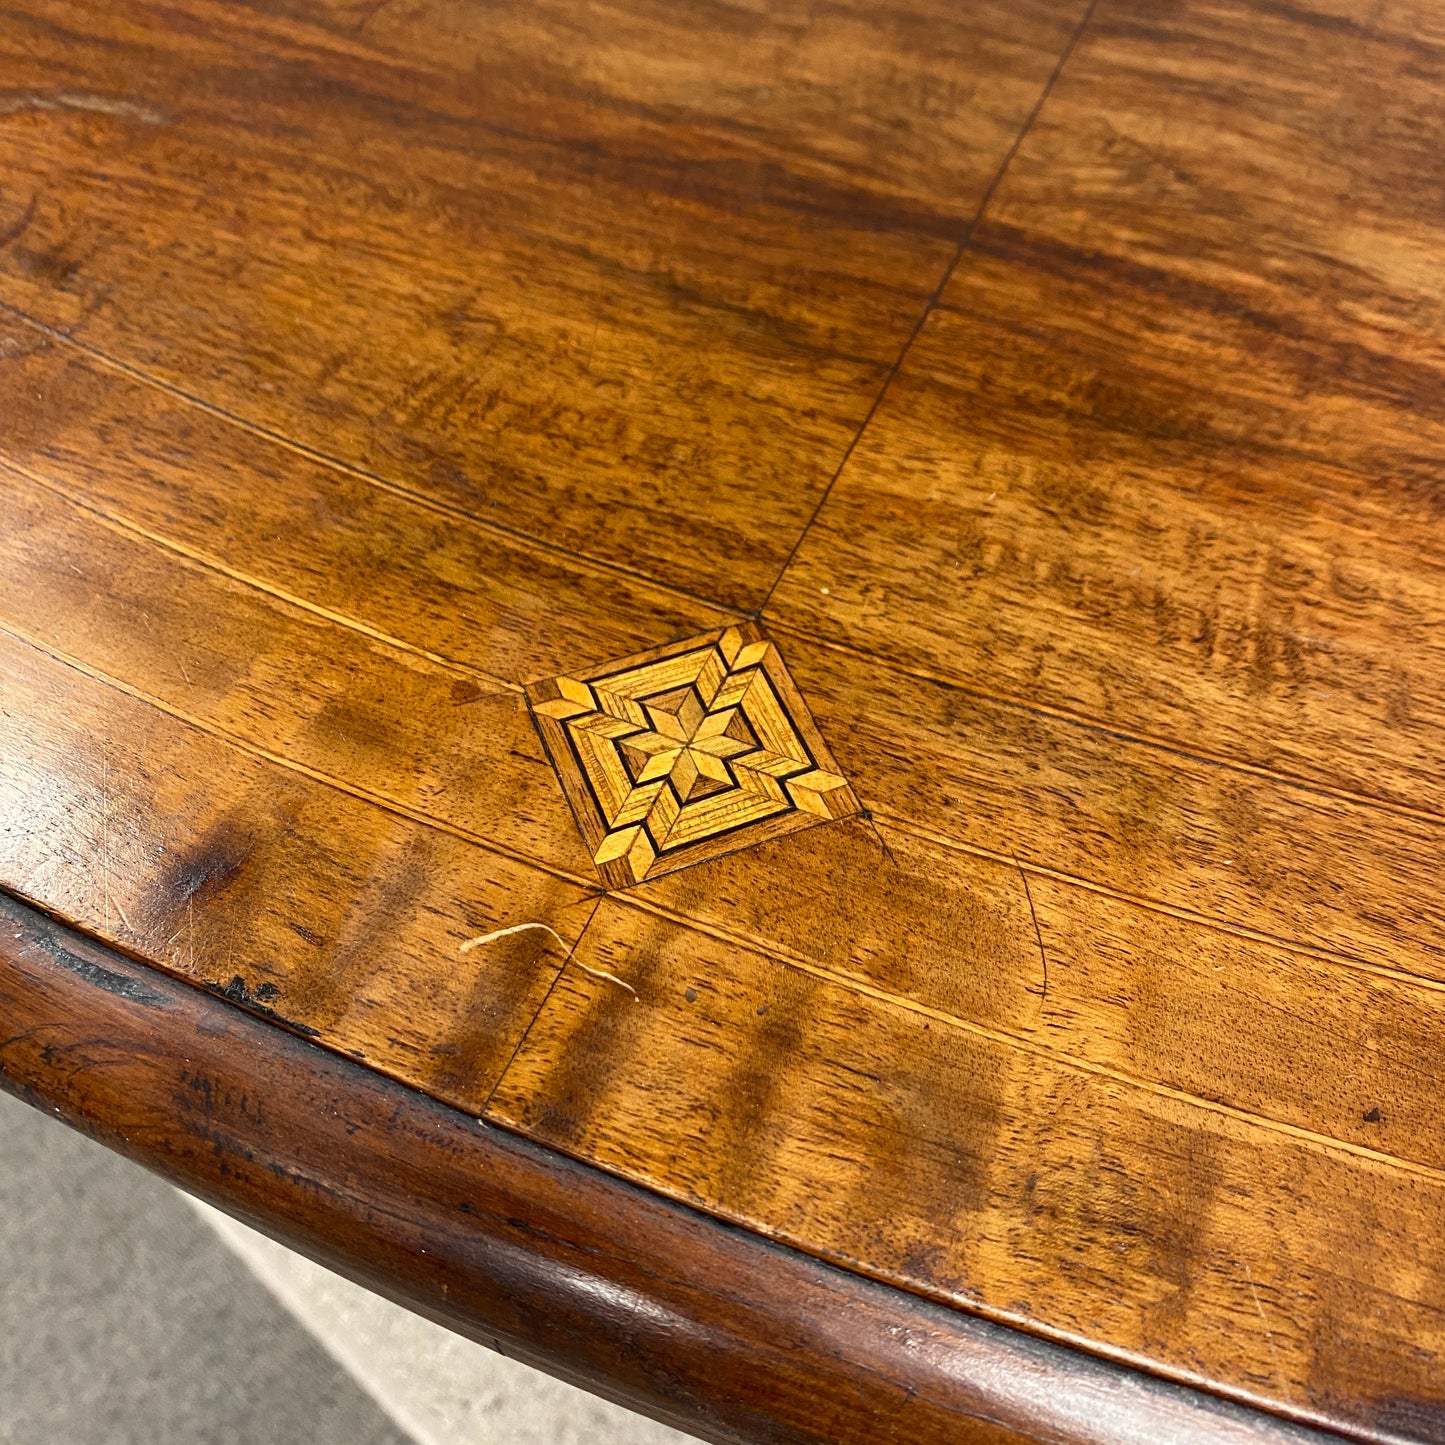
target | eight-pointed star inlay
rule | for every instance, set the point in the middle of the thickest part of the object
(686, 752)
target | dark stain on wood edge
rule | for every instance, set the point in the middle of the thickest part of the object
(694, 1322)
(49, 938)
(237, 993)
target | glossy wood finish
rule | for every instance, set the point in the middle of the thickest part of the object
(592, 275)
(1059, 387)
(711, 1329)
(1197, 343)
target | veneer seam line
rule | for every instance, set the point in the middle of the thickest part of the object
(389, 805)
(1324, 1142)
(121, 524)
(324, 459)
(204, 560)
(937, 294)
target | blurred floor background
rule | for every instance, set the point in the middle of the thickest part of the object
(131, 1315)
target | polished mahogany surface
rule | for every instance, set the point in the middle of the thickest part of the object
(836, 611)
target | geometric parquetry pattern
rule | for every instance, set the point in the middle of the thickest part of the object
(686, 752)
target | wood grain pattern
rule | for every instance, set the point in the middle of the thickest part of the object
(714, 1330)
(1182, 399)
(933, 1150)
(314, 905)
(376, 718)
(646, 331)
(333, 538)
(362, 369)
(1094, 979)
(443, 741)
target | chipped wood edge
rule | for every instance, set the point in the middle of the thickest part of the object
(655, 1306)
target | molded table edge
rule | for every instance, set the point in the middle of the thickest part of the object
(645, 1302)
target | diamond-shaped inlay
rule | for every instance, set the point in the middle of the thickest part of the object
(686, 752)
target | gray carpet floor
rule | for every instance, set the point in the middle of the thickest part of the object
(125, 1321)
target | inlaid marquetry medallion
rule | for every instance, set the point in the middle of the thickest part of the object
(687, 752)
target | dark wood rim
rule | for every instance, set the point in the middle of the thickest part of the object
(661, 1308)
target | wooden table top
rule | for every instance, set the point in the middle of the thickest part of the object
(836, 610)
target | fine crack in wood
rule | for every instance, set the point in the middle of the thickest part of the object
(492, 937)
